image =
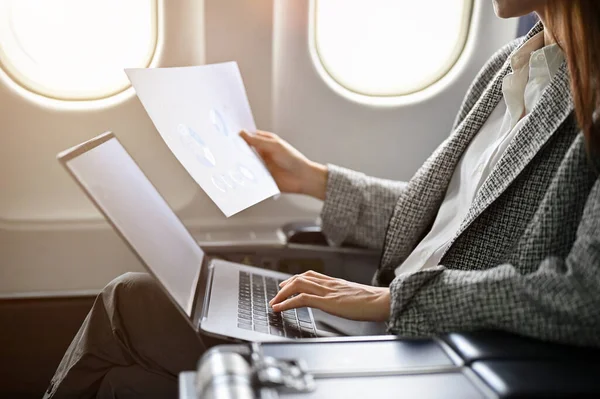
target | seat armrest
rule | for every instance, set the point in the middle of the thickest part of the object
(308, 233)
(539, 379)
(497, 345)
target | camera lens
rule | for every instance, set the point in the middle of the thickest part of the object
(224, 375)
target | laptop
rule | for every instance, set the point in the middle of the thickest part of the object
(217, 297)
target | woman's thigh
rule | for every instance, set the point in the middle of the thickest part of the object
(148, 326)
(135, 382)
(132, 324)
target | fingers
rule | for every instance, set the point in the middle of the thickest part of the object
(299, 301)
(309, 273)
(266, 134)
(300, 285)
(306, 289)
(259, 139)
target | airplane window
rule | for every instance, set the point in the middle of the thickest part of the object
(76, 49)
(389, 47)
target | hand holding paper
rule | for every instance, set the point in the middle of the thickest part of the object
(292, 171)
(198, 112)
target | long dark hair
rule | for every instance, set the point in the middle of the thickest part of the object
(576, 25)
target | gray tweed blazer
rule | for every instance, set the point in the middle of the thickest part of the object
(526, 259)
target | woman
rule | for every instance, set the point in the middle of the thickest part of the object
(500, 228)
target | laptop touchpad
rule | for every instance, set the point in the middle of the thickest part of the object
(327, 322)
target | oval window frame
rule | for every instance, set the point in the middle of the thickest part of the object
(389, 99)
(32, 86)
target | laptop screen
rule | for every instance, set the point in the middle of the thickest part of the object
(144, 219)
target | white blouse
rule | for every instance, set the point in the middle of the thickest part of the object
(533, 67)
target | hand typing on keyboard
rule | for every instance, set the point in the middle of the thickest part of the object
(255, 291)
(335, 296)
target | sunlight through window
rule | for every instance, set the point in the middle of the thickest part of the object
(76, 49)
(389, 47)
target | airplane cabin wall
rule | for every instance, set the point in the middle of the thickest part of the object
(53, 240)
(384, 141)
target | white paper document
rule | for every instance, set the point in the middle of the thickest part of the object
(199, 112)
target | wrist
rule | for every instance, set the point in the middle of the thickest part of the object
(316, 180)
(385, 304)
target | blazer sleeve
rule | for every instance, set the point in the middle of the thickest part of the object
(357, 207)
(558, 302)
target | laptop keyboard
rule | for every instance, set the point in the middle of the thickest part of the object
(254, 312)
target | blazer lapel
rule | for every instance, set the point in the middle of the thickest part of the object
(554, 107)
(418, 204)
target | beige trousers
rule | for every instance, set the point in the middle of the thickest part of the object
(133, 343)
